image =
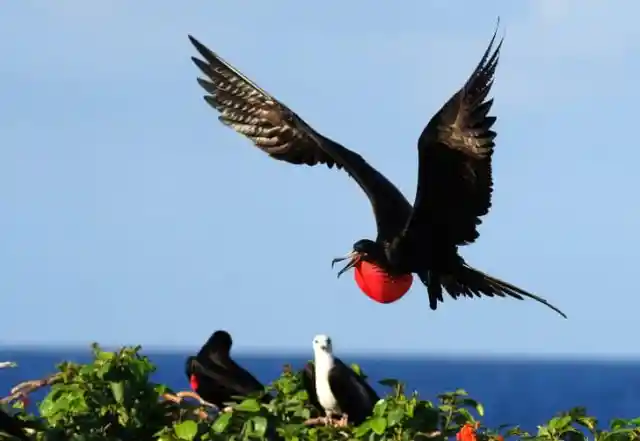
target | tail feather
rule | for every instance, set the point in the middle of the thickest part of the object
(470, 282)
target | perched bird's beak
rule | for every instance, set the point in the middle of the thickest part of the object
(354, 257)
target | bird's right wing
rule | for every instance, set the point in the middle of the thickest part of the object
(283, 135)
(309, 383)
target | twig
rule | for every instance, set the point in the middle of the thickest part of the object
(26, 387)
(323, 420)
(179, 396)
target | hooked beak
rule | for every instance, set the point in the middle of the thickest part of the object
(354, 257)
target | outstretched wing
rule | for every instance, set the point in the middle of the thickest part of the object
(283, 135)
(455, 149)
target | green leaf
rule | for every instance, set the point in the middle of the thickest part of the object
(588, 422)
(105, 356)
(634, 422)
(378, 425)
(259, 425)
(464, 416)
(380, 408)
(473, 403)
(394, 417)
(249, 405)
(617, 423)
(117, 389)
(559, 423)
(389, 382)
(362, 429)
(186, 430)
(356, 368)
(222, 422)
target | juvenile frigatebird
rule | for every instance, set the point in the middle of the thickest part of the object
(12, 426)
(334, 387)
(214, 375)
(454, 182)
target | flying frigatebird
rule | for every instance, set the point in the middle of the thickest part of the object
(216, 377)
(453, 192)
(334, 387)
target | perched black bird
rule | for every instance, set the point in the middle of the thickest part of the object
(333, 387)
(12, 426)
(214, 375)
(454, 182)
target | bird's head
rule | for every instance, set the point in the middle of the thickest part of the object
(322, 343)
(219, 342)
(363, 250)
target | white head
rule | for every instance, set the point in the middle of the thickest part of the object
(322, 343)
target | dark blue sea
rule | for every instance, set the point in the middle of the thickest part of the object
(525, 391)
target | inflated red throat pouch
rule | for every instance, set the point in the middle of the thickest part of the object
(379, 285)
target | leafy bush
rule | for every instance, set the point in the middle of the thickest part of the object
(112, 398)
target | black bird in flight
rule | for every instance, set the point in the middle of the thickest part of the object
(12, 426)
(214, 375)
(454, 182)
(334, 388)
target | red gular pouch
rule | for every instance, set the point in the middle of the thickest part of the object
(193, 382)
(380, 286)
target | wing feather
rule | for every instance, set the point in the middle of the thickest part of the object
(355, 396)
(309, 383)
(283, 135)
(455, 149)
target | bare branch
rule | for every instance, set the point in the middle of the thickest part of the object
(26, 387)
(321, 421)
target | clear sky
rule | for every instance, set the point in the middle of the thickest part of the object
(129, 214)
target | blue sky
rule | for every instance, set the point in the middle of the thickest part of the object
(130, 215)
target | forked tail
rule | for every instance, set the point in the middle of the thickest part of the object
(470, 282)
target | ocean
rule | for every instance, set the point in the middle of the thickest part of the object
(525, 391)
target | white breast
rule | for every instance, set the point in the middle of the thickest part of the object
(323, 389)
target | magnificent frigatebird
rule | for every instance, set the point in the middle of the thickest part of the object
(454, 182)
(214, 375)
(12, 426)
(334, 387)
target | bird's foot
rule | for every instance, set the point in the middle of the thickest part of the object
(343, 421)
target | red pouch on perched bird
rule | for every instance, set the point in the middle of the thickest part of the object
(193, 382)
(380, 286)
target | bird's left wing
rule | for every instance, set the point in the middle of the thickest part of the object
(454, 173)
(283, 135)
(349, 387)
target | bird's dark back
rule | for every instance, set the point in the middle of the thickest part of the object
(359, 395)
(219, 376)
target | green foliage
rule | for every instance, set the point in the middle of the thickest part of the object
(112, 398)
